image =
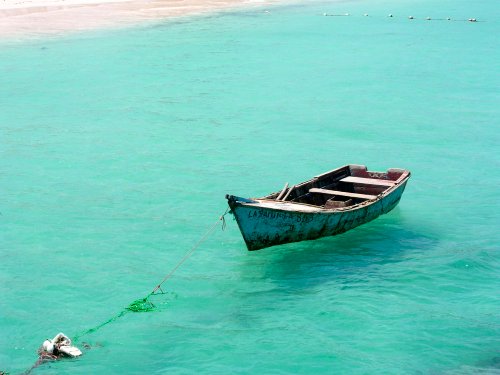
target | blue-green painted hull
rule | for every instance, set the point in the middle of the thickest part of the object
(263, 223)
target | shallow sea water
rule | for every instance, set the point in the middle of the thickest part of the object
(117, 148)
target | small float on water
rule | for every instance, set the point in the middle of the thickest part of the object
(328, 204)
(59, 346)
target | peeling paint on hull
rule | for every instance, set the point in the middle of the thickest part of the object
(264, 224)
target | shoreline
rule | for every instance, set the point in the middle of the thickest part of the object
(21, 19)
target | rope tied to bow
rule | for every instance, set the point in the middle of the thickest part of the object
(144, 304)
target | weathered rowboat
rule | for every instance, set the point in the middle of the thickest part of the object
(328, 204)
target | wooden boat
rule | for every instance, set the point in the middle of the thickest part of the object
(328, 204)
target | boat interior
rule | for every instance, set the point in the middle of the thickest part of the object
(342, 187)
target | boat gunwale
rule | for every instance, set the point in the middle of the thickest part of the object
(321, 210)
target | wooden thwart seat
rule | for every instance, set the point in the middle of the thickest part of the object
(368, 181)
(342, 193)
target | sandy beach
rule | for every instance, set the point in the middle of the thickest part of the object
(32, 18)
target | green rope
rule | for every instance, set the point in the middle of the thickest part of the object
(141, 305)
(92, 330)
(144, 304)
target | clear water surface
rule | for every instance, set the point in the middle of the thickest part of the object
(117, 148)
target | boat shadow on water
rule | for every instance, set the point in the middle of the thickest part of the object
(363, 251)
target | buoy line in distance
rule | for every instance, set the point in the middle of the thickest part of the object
(390, 15)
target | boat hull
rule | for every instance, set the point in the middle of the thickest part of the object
(265, 225)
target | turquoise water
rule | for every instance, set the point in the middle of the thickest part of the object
(117, 148)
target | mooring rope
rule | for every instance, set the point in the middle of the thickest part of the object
(191, 251)
(143, 304)
(140, 305)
